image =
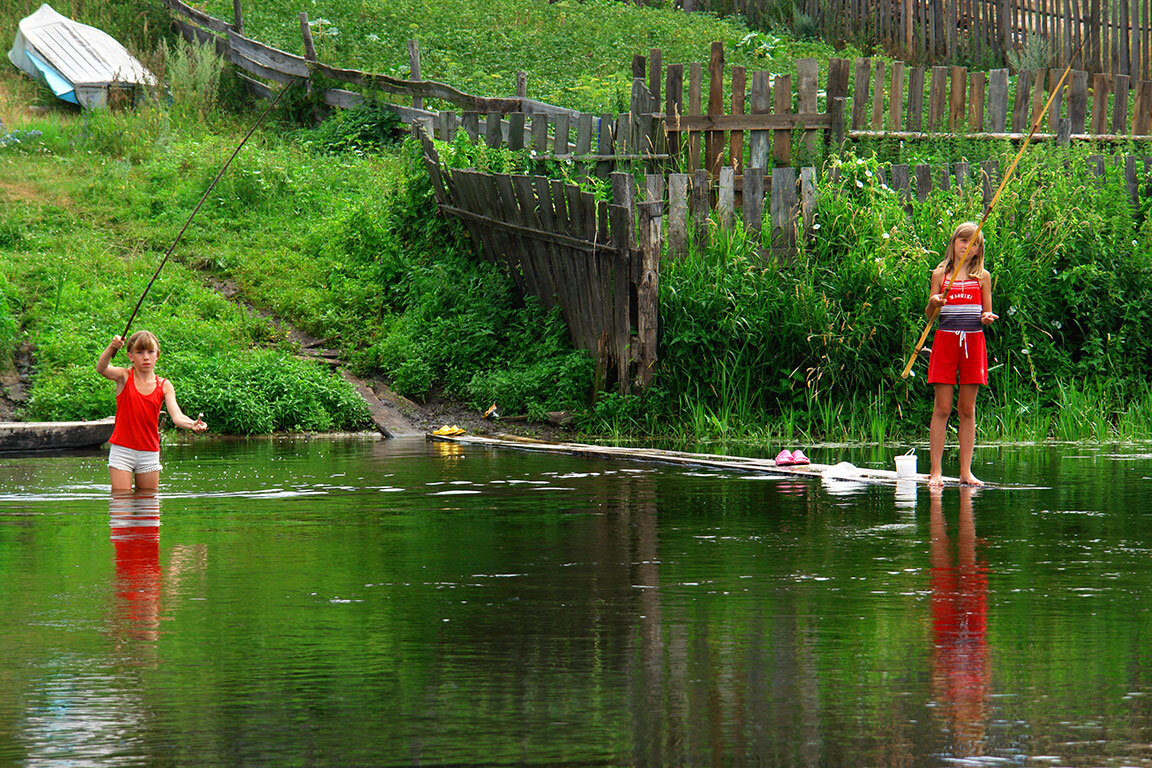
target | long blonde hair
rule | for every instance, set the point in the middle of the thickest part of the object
(975, 263)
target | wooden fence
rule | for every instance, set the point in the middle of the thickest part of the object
(563, 246)
(749, 120)
(1117, 34)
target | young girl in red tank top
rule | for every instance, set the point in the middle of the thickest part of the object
(958, 351)
(140, 393)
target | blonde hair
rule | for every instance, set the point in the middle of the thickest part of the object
(142, 340)
(975, 262)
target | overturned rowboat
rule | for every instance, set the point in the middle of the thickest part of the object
(81, 64)
(54, 435)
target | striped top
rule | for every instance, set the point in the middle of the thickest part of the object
(963, 308)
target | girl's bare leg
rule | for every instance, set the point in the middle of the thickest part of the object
(938, 430)
(121, 480)
(966, 410)
(148, 481)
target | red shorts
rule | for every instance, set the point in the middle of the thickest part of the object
(955, 353)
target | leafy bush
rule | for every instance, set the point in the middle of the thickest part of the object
(367, 127)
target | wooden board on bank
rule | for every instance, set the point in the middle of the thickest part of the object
(841, 471)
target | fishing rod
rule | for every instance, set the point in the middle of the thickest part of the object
(198, 205)
(988, 210)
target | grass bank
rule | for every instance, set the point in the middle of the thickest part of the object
(334, 229)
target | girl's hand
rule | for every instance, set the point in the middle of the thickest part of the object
(987, 318)
(117, 343)
(935, 301)
(199, 425)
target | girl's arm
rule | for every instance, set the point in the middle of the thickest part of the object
(103, 367)
(987, 316)
(178, 417)
(935, 296)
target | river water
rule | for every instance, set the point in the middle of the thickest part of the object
(367, 602)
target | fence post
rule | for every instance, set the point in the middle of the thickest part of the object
(753, 199)
(647, 282)
(309, 48)
(521, 85)
(726, 201)
(238, 16)
(621, 219)
(678, 214)
(414, 70)
(783, 211)
(808, 198)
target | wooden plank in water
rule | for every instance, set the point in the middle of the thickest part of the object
(743, 464)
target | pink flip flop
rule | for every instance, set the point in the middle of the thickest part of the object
(784, 459)
(798, 457)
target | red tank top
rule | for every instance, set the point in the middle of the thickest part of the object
(138, 416)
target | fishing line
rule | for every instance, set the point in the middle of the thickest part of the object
(1003, 183)
(197, 208)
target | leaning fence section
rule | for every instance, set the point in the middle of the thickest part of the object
(592, 259)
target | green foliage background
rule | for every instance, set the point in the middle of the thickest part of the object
(333, 228)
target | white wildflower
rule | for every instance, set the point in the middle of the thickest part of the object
(859, 183)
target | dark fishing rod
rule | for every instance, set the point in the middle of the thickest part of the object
(199, 204)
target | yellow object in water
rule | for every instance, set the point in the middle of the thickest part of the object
(448, 431)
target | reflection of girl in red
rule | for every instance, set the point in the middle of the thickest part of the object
(960, 672)
(134, 520)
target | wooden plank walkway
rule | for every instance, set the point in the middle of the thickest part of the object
(842, 471)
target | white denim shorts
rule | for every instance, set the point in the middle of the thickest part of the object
(131, 460)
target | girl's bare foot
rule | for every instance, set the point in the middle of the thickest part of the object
(970, 479)
(935, 481)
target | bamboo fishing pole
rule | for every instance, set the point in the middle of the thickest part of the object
(198, 205)
(988, 210)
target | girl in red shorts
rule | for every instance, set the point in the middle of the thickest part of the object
(958, 352)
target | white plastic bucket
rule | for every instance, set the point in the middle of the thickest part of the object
(906, 465)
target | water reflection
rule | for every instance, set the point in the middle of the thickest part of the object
(134, 524)
(140, 583)
(960, 668)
